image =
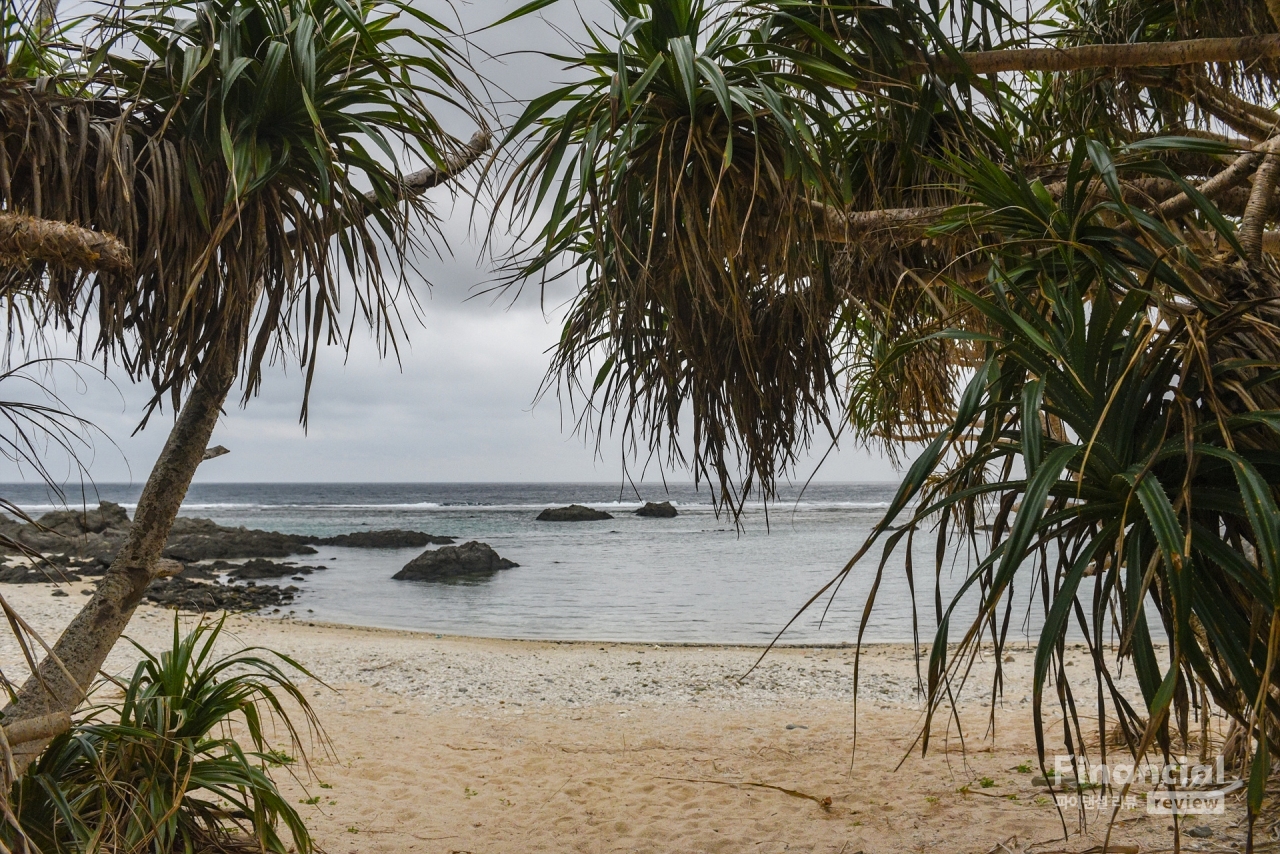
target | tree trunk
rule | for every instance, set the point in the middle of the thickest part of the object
(61, 680)
(85, 643)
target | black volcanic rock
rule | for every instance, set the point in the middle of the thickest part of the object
(36, 574)
(391, 539)
(93, 535)
(657, 511)
(73, 523)
(469, 560)
(573, 513)
(197, 572)
(187, 595)
(259, 568)
(202, 539)
(70, 537)
(87, 541)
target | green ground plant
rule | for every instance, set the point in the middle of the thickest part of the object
(181, 762)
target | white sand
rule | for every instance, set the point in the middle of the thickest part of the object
(446, 744)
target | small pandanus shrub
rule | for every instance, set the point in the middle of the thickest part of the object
(181, 763)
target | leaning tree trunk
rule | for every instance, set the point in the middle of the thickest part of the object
(60, 683)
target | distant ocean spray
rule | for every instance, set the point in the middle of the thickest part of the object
(696, 578)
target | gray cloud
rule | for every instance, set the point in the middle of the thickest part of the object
(458, 407)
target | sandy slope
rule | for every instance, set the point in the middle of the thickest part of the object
(459, 744)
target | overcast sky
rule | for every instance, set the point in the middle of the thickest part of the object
(459, 406)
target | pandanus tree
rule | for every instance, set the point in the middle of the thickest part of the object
(1034, 252)
(246, 170)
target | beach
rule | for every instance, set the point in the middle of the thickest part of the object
(452, 744)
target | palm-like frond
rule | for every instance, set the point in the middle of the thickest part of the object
(694, 178)
(1024, 270)
(1121, 433)
(250, 155)
(682, 175)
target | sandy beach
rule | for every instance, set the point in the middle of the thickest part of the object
(454, 744)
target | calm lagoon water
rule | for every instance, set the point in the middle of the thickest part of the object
(696, 578)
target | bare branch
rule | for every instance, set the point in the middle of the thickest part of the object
(419, 182)
(1157, 194)
(1234, 175)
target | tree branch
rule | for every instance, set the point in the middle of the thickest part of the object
(1255, 212)
(1084, 57)
(1253, 121)
(419, 182)
(1234, 175)
(25, 238)
(1141, 55)
(1157, 194)
(841, 227)
(37, 728)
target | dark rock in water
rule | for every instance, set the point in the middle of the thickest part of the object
(572, 513)
(391, 539)
(259, 568)
(187, 595)
(469, 560)
(201, 539)
(657, 511)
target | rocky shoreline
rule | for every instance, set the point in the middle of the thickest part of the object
(216, 567)
(70, 538)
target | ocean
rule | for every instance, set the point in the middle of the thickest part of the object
(698, 578)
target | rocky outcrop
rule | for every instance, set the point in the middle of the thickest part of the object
(391, 539)
(193, 540)
(90, 536)
(96, 535)
(469, 560)
(573, 513)
(188, 595)
(259, 569)
(74, 523)
(79, 539)
(657, 511)
(23, 574)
